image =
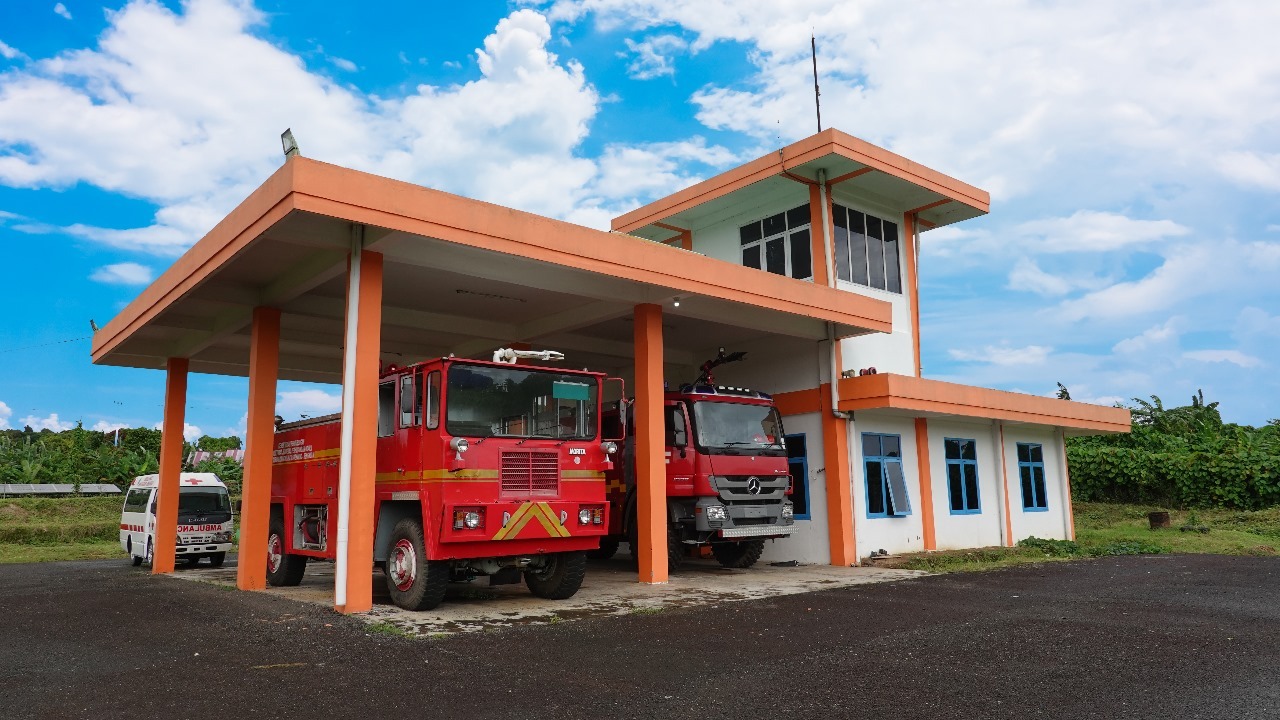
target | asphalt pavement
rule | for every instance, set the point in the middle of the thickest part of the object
(1131, 637)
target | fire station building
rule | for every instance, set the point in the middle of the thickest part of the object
(806, 258)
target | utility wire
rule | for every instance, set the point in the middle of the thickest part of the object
(55, 342)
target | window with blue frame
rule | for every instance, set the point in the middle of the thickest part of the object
(886, 486)
(798, 466)
(1031, 470)
(962, 475)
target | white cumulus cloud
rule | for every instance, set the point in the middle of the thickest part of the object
(5, 413)
(652, 56)
(126, 273)
(51, 422)
(310, 402)
(1004, 355)
(62, 10)
(190, 432)
(1235, 357)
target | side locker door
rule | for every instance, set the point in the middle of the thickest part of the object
(389, 464)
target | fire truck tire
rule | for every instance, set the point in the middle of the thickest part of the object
(738, 555)
(608, 548)
(675, 548)
(283, 569)
(415, 583)
(560, 578)
(217, 559)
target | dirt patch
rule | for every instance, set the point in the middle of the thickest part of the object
(12, 513)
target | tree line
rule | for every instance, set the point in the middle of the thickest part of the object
(1183, 457)
(80, 456)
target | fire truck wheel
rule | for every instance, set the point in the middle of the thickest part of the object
(415, 583)
(560, 577)
(217, 559)
(608, 548)
(738, 555)
(283, 569)
(675, 548)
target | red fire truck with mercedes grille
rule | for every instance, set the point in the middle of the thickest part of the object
(727, 475)
(484, 468)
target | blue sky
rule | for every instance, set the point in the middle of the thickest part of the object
(1132, 151)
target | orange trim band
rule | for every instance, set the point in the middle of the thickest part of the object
(918, 395)
(849, 176)
(255, 514)
(913, 285)
(798, 402)
(175, 409)
(817, 240)
(926, 484)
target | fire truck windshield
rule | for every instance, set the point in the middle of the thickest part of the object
(483, 401)
(737, 428)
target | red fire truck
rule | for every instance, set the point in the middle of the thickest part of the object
(483, 469)
(727, 474)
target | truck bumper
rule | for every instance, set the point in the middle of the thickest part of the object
(202, 549)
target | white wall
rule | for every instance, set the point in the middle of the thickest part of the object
(894, 534)
(810, 543)
(965, 531)
(1048, 524)
(887, 352)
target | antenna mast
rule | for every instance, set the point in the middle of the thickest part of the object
(817, 104)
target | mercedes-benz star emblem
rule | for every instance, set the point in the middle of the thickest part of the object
(753, 485)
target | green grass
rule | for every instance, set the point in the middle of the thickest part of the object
(48, 521)
(1106, 529)
(383, 627)
(52, 552)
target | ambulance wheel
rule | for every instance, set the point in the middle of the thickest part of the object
(608, 548)
(560, 577)
(415, 583)
(283, 569)
(137, 559)
(217, 559)
(151, 555)
(738, 554)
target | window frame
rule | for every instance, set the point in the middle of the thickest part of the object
(843, 249)
(788, 235)
(974, 508)
(886, 489)
(799, 477)
(1029, 466)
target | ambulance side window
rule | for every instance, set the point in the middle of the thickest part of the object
(136, 500)
(433, 400)
(386, 409)
(411, 400)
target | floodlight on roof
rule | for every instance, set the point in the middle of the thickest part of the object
(289, 143)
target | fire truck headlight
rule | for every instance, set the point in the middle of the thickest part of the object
(584, 516)
(471, 520)
(459, 445)
(467, 518)
(610, 447)
(717, 513)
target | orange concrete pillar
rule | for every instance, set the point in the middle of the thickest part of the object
(651, 469)
(171, 439)
(835, 450)
(926, 484)
(1004, 484)
(913, 286)
(1060, 438)
(818, 235)
(255, 506)
(353, 591)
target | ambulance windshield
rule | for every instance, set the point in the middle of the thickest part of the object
(483, 401)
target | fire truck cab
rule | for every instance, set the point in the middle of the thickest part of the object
(483, 469)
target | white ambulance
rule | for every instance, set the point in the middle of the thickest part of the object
(205, 526)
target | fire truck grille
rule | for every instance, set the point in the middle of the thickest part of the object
(530, 472)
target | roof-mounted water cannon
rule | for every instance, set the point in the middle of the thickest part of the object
(706, 378)
(511, 355)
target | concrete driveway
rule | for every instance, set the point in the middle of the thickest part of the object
(1133, 637)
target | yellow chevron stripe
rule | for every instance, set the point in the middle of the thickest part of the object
(555, 528)
(581, 474)
(510, 528)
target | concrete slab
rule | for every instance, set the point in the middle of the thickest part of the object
(609, 590)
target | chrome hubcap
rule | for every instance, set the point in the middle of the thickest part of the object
(275, 553)
(402, 566)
